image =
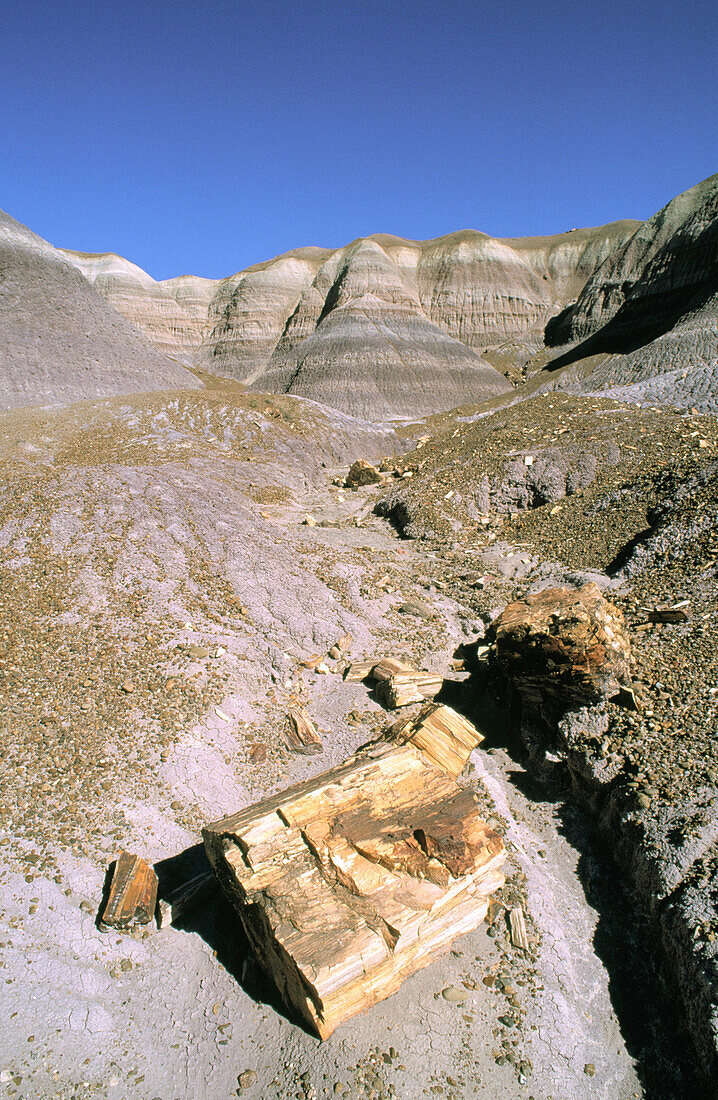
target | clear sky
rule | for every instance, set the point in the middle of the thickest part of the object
(201, 136)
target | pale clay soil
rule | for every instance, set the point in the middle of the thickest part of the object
(135, 528)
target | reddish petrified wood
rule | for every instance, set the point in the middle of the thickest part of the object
(133, 893)
(563, 645)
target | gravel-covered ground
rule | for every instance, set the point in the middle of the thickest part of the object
(174, 570)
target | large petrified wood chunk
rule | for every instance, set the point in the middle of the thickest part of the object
(351, 881)
(563, 646)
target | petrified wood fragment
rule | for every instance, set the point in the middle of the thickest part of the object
(406, 688)
(443, 735)
(389, 667)
(359, 670)
(349, 882)
(302, 736)
(133, 893)
(517, 928)
(565, 646)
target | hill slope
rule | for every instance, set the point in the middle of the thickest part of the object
(59, 339)
(273, 325)
(646, 323)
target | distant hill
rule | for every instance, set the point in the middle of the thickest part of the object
(59, 339)
(382, 327)
(646, 323)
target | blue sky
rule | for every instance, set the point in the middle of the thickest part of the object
(201, 137)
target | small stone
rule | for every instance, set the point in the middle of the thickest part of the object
(197, 652)
(418, 608)
(457, 996)
(362, 473)
(246, 1079)
(309, 521)
(127, 686)
(87, 907)
(589, 1069)
(335, 653)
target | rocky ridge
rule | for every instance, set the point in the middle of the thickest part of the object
(173, 314)
(645, 326)
(644, 528)
(409, 319)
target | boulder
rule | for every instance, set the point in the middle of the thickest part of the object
(562, 647)
(362, 473)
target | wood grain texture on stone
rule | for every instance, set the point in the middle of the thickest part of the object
(517, 929)
(443, 735)
(133, 893)
(388, 667)
(301, 734)
(348, 883)
(405, 688)
(359, 670)
(568, 646)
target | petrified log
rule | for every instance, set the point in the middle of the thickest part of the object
(359, 670)
(302, 736)
(390, 666)
(566, 646)
(445, 737)
(408, 687)
(349, 882)
(133, 893)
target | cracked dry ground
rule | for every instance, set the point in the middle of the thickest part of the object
(164, 602)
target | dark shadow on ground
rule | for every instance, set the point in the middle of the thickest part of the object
(216, 922)
(624, 942)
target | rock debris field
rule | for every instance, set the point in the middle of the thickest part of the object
(176, 571)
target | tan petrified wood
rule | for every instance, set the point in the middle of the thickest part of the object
(301, 734)
(351, 881)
